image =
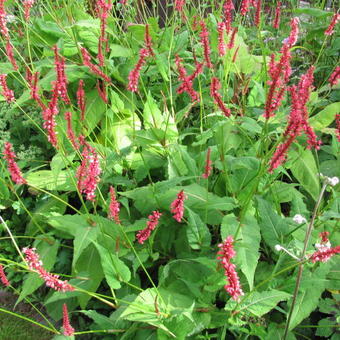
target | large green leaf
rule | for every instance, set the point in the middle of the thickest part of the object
(305, 170)
(325, 117)
(115, 270)
(197, 232)
(46, 179)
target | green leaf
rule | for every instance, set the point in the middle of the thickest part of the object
(305, 171)
(46, 179)
(273, 226)
(197, 232)
(259, 303)
(95, 109)
(115, 269)
(119, 51)
(325, 117)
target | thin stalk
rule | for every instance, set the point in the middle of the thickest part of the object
(301, 261)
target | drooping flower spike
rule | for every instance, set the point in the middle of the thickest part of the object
(208, 165)
(6, 92)
(3, 277)
(151, 224)
(68, 330)
(177, 206)
(12, 166)
(114, 207)
(330, 29)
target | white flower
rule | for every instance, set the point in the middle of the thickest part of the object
(299, 219)
(278, 247)
(333, 181)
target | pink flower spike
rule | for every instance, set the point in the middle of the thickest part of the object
(151, 224)
(225, 254)
(330, 29)
(335, 76)
(258, 13)
(244, 7)
(28, 4)
(3, 277)
(205, 43)
(12, 166)
(148, 40)
(10, 55)
(135, 73)
(276, 22)
(3, 21)
(114, 207)
(208, 167)
(293, 37)
(102, 91)
(51, 280)
(177, 206)
(214, 87)
(228, 8)
(70, 133)
(232, 38)
(337, 124)
(221, 44)
(324, 255)
(68, 329)
(61, 82)
(6, 92)
(81, 99)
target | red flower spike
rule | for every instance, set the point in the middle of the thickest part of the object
(179, 4)
(244, 7)
(293, 37)
(148, 41)
(6, 92)
(151, 224)
(102, 92)
(232, 38)
(3, 21)
(61, 82)
(335, 76)
(10, 55)
(135, 73)
(205, 43)
(94, 68)
(324, 255)
(276, 22)
(28, 4)
(177, 206)
(81, 99)
(330, 29)
(208, 165)
(70, 133)
(225, 254)
(228, 8)
(214, 87)
(51, 280)
(221, 44)
(258, 13)
(3, 277)
(68, 329)
(88, 172)
(114, 207)
(12, 166)
(337, 123)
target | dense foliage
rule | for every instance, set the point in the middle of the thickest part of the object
(170, 170)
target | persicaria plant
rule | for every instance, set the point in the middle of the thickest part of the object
(169, 170)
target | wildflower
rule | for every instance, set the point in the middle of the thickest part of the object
(258, 13)
(114, 206)
(276, 22)
(177, 206)
(27, 8)
(214, 87)
(135, 73)
(70, 133)
(186, 85)
(81, 99)
(68, 329)
(299, 219)
(12, 166)
(148, 41)
(102, 91)
(292, 39)
(335, 76)
(151, 224)
(61, 82)
(179, 4)
(10, 55)
(221, 44)
(232, 38)
(51, 280)
(208, 167)
(324, 250)
(225, 254)
(6, 92)
(88, 172)
(228, 7)
(330, 29)
(32, 80)
(3, 20)
(332, 181)
(205, 42)
(244, 7)
(3, 277)
(337, 123)
(94, 68)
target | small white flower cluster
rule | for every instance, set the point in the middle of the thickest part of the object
(333, 181)
(299, 219)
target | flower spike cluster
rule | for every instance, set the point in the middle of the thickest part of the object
(214, 87)
(228, 14)
(205, 43)
(12, 166)
(151, 224)
(324, 250)
(6, 92)
(225, 254)
(51, 280)
(3, 277)
(298, 120)
(94, 68)
(68, 329)
(114, 207)
(177, 206)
